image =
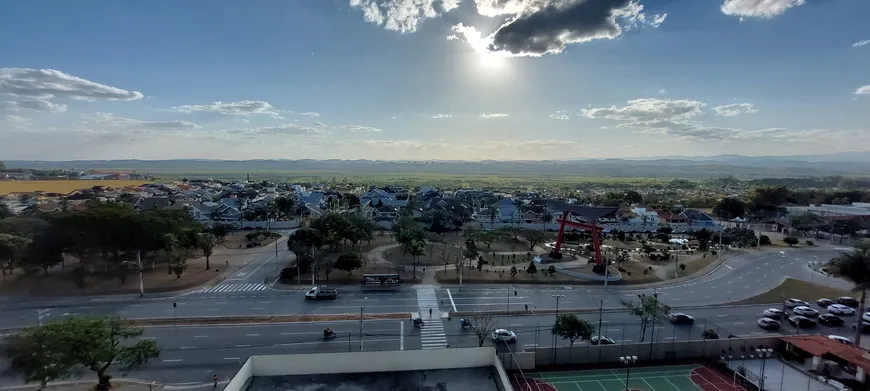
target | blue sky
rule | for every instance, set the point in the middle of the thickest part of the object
(432, 79)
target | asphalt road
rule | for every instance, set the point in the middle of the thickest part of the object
(739, 278)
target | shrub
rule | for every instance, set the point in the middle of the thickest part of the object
(809, 242)
(790, 240)
(765, 240)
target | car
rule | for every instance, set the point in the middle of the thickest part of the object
(865, 327)
(824, 302)
(681, 318)
(831, 320)
(805, 311)
(848, 301)
(842, 340)
(801, 322)
(768, 324)
(866, 317)
(774, 313)
(502, 335)
(791, 303)
(840, 309)
(602, 341)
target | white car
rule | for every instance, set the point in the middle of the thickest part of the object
(601, 341)
(866, 316)
(791, 303)
(842, 340)
(502, 335)
(774, 313)
(805, 311)
(839, 309)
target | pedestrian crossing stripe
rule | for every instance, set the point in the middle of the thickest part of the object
(432, 335)
(225, 288)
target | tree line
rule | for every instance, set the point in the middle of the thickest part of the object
(105, 237)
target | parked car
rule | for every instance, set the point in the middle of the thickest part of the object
(840, 309)
(848, 301)
(801, 322)
(768, 324)
(824, 302)
(791, 303)
(865, 327)
(805, 311)
(842, 340)
(602, 341)
(831, 320)
(774, 313)
(681, 318)
(502, 335)
(866, 317)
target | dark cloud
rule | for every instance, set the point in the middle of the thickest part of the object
(549, 28)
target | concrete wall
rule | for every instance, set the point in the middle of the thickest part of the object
(361, 362)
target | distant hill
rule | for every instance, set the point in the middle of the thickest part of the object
(745, 167)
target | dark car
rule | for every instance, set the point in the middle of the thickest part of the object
(831, 320)
(681, 318)
(848, 301)
(865, 327)
(801, 322)
(824, 303)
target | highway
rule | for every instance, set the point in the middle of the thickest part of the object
(738, 278)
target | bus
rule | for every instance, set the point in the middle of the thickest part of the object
(381, 281)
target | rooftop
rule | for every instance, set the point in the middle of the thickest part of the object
(477, 379)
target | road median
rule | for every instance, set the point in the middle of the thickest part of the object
(217, 320)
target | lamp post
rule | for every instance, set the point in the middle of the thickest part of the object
(764, 354)
(557, 297)
(628, 361)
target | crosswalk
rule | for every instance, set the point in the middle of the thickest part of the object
(432, 333)
(843, 249)
(226, 288)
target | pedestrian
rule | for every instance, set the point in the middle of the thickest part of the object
(214, 378)
(430, 312)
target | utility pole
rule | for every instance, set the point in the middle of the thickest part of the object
(600, 309)
(141, 278)
(360, 328)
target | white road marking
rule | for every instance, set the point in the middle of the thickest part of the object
(188, 347)
(252, 335)
(729, 267)
(231, 358)
(199, 336)
(452, 304)
(243, 346)
(173, 360)
(401, 335)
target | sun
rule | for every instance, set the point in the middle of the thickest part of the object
(492, 61)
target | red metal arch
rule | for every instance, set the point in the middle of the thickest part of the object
(596, 242)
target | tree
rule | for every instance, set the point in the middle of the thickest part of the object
(286, 206)
(730, 207)
(220, 231)
(170, 246)
(348, 262)
(532, 269)
(206, 243)
(533, 236)
(61, 350)
(569, 327)
(482, 325)
(11, 247)
(647, 309)
(855, 267)
(790, 240)
(416, 250)
(709, 334)
(5, 212)
(470, 251)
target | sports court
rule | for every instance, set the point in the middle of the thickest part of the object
(663, 378)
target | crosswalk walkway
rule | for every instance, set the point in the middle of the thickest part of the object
(432, 332)
(226, 288)
(844, 249)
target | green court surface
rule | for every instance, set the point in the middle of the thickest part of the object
(664, 378)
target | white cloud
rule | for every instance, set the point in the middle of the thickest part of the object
(861, 43)
(45, 84)
(441, 116)
(662, 91)
(493, 115)
(734, 109)
(320, 124)
(242, 120)
(648, 109)
(244, 108)
(863, 90)
(762, 9)
(102, 121)
(310, 114)
(560, 116)
(357, 128)
(34, 105)
(402, 15)
(288, 129)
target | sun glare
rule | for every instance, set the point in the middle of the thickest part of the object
(491, 61)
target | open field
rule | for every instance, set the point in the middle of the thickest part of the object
(61, 186)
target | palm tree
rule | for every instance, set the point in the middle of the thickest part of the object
(855, 267)
(206, 243)
(547, 218)
(416, 250)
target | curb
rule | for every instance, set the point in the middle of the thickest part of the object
(115, 381)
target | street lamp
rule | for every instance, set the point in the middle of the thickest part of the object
(764, 353)
(628, 361)
(557, 297)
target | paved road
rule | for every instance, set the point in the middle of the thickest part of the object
(741, 277)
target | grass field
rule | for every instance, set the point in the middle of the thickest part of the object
(60, 186)
(797, 289)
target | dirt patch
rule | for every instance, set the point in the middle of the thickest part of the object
(797, 289)
(502, 276)
(249, 239)
(502, 245)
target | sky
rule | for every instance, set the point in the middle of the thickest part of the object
(432, 79)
